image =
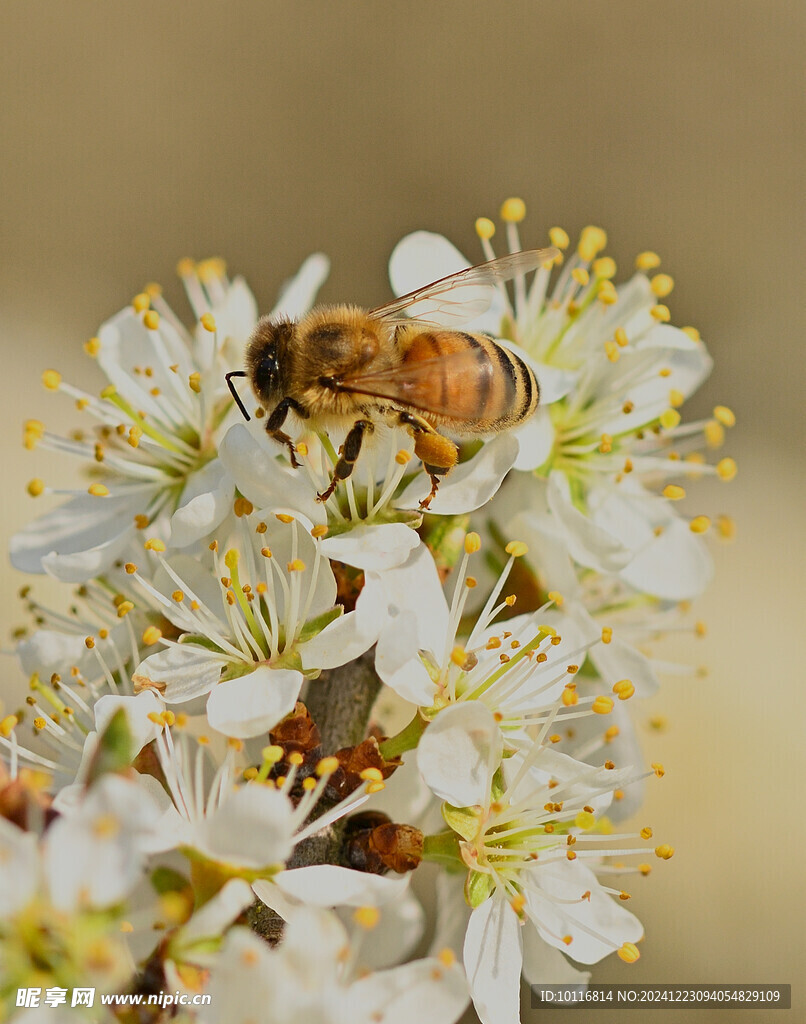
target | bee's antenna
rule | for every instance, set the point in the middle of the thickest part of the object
(235, 395)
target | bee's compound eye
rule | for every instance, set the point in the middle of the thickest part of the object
(267, 367)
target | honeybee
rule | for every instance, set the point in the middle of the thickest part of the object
(403, 363)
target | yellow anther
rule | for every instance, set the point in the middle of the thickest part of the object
(242, 507)
(124, 608)
(567, 939)
(319, 531)
(611, 733)
(446, 957)
(602, 705)
(607, 293)
(629, 953)
(647, 261)
(89, 642)
(92, 347)
(302, 449)
(130, 568)
(7, 725)
(700, 629)
(194, 382)
(665, 852)
(726, 469)
(569, 697)
(620, 337)
(607, 634)
(516, 548)
(375, 787)
(658, 769)
(284, 518)
(327, 766)
(153, 289)
(366, 917)
(151, 636)
(518, 902)
(646, 832)
(699, 524)
(309, 784)
(266, 552)
(207, 320)
(674, 492)
(297, 565)
(513, 210)
(581, 276)
(669, 419)
(152, 320)
(141, 302)
(135, 433)
(186, 267)
(154, 544)
(98, 491)
(612, 351)
(584, 820)
(371, 775)
(604, 268)
(510, 600)
(559, 237)
(295, 758)
(714, 434)
(212, 269)
(676, 398)
(726, 527)
(725, 416)
(556, 597)
(459, 656)
(493, 643)
(662, 285)
(692, 333)
(109, 391)
(141, 521)
(272, 754)
(35, 487)
(472, 543)
(51, 379)
(485, 228)
(661, 313)
(591, 242)
(623, 689)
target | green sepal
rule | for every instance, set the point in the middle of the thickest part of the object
(463, 820)
(115, 748)
(199, 640)
(478, 888)
(165, 880)
(499, 785)
(315, 626)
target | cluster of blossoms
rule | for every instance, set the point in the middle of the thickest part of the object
(212, 789)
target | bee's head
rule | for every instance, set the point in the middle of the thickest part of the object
(264, 358)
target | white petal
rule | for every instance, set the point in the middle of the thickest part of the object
(20, 875)
(252, 704)
(395, 936)
(327, 885)
(544, 965)
(254, 827)
(299, 293)
(424, 990)
(215, 916)
(206, 500)
(137, 710)
(471, 484)
(459, 753)
(535, 441)
(588, 542)
(180, 673)
(376, 547)
(48, 651)
(493, 958)
(341, 641)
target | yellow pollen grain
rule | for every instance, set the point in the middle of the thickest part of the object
(623, 689)
(591, 242)
(194, 382)
(472, 543)
(51, 379)
(154, 544)
(658, 769)
(516, 548)
(327, 766)
(629, 953)
(604, 268)
(726, 469)
(152, 320)
(98, 491)
(124, 608)
(35, 487)
(661, 285)
(207, 320)
(665, 852)
(607, 293)
(367, 917)
(297, 565)
(612, 351)
(725, 416)
(513, 210)
(647, 261)
(602, 705)
(559, 237)
(485, 228)
(302, 449)
(581, 276)
(674, 492)
(151, 636)
(661, 313)
(699, 524)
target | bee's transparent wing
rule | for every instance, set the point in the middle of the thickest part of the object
(427, 384)
(454, 300)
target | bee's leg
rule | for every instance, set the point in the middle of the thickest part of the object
(437, 453)
(277, 419)
(348, 453)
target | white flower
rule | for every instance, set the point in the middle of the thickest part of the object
(153, 449)
(251, 624)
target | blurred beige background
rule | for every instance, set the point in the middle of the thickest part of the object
(136, 133)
